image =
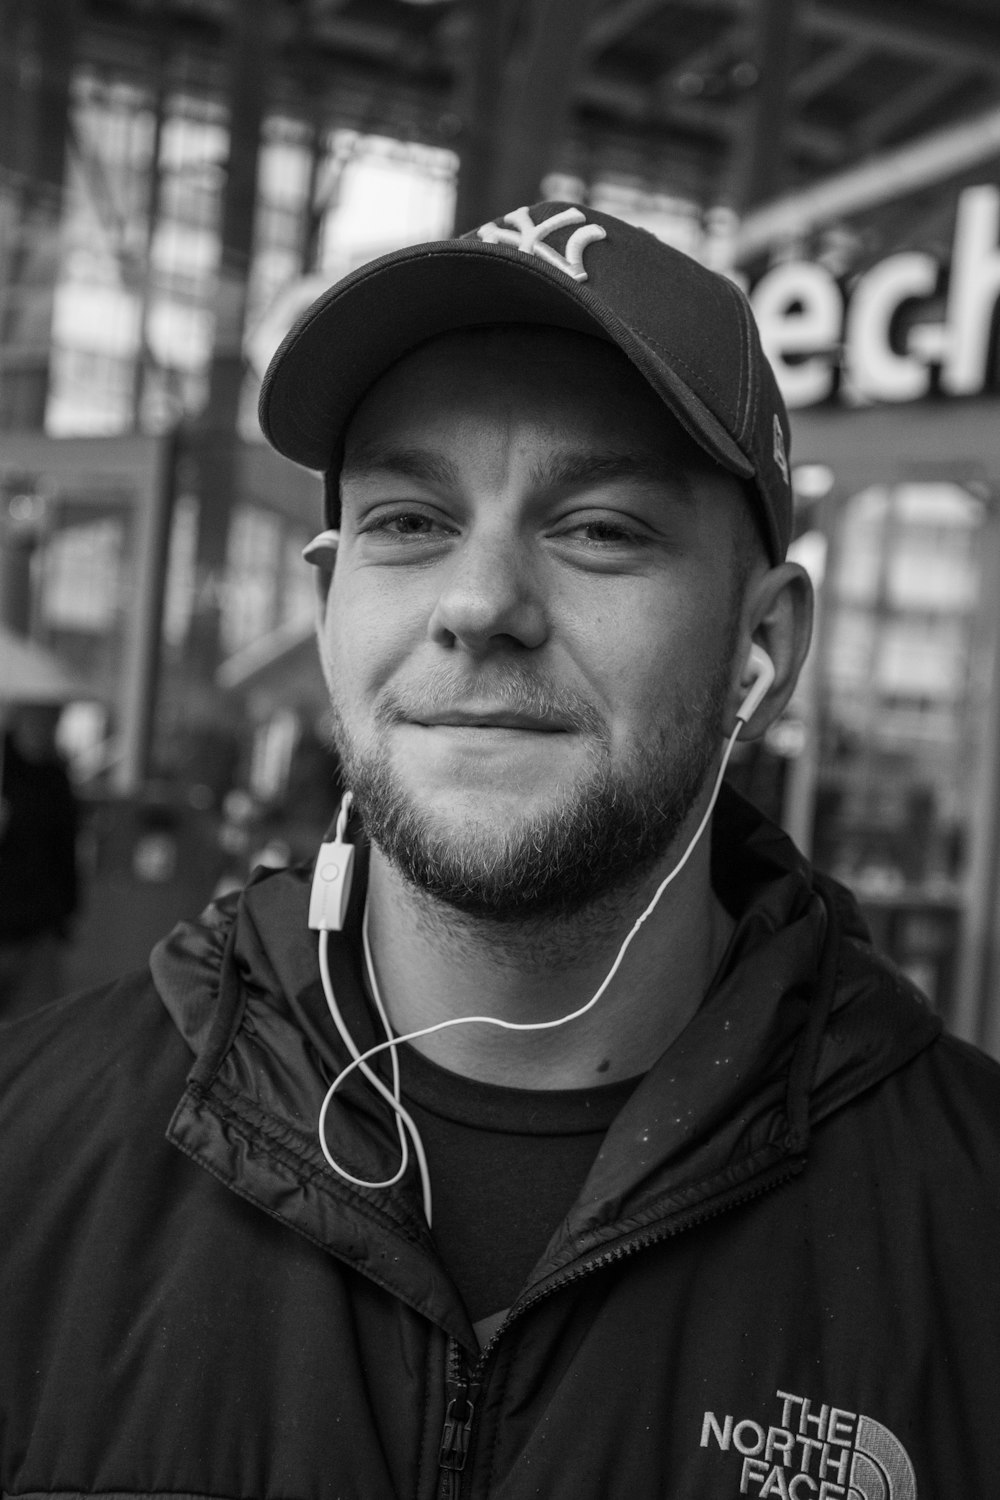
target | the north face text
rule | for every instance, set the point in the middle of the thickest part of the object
(815, 1452)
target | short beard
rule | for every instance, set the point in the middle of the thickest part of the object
(604, 834)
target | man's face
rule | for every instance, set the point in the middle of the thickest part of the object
(532, 623)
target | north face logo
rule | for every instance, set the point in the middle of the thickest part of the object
(814, 1453)
(530, 237)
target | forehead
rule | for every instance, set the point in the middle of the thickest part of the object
(574, 389)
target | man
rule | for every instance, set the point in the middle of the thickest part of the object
(702, 1204)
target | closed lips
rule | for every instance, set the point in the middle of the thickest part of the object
(458, 719)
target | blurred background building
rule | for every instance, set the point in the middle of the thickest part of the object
(179, 177)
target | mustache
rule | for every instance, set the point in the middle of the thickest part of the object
(505, 688)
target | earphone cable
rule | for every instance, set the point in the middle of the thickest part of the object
(405, 1124)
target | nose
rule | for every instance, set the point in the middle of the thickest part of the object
(491, 597)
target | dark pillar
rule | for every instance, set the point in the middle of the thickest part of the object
(37, 50)
(159, 66)
(481, 109)
(212, 445)
(22, 528)
(197, 731)
(524, 62)
(760, 160)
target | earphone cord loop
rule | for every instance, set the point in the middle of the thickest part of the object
(405, 1124)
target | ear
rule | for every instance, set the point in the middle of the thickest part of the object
(777, 617)
(323, 580)
(321, 552)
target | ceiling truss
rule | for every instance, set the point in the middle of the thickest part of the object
(664, 89)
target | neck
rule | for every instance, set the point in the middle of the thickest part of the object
(434, 963)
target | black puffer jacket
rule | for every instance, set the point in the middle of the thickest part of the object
(779, 1279)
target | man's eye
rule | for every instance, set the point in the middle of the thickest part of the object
(604, 532)
(403, 524)
(409, 525)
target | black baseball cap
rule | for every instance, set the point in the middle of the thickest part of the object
(688, 330)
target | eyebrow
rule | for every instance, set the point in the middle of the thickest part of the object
(412, 463)
(576, 470)
(559, 471)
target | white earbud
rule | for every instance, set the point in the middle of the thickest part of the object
(333, 876)
(761, 668)
(322, 550)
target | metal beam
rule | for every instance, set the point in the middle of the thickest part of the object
(902, 107)
(891, 175)
(826, 71)
(702, 60)
(632, 105)
(616, 20)
(899, 27)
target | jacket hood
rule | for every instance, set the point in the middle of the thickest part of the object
(801, 1018)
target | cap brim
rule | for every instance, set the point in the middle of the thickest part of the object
(368, 321)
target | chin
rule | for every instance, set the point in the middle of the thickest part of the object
(477, 813)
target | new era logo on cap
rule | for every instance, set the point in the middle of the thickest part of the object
(780, 453)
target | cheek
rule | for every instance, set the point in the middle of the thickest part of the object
(658, 669)
(365, 636)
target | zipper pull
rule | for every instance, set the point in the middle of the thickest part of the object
(456, 1431)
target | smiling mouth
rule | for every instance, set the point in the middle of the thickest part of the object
(489, 719)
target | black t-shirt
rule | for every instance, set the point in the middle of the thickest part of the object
(505, 1166)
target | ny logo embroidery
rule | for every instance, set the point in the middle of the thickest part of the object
(530, 237)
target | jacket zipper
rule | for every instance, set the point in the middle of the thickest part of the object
(460, 1408)
(462, 1386)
